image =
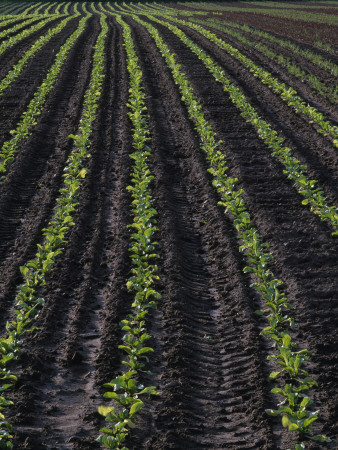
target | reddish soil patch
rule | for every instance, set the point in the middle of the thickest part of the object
(306, 33)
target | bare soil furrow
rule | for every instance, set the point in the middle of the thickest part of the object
(305, 254)
(27, 195)
(16, 98)
(202, 289)
(84, 295)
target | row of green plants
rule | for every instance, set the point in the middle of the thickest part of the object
(311, 56)
(35, 107)
(5, 10)
(60, 8)
(40, 8)
(13, 40)
(136, 8)
(318, 86)
(50, 7)
(289, 95)
(20, 8)
(63, 8)
(32, 8)
(17, 27)
(75, 6)
(7, 20)
(125, 390)
(294, 410)
(283, 13)
(38, 44)
(313, 196)
(27, 303)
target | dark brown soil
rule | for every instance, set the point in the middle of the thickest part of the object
(260, 59)
(209, 363)
(14, 53)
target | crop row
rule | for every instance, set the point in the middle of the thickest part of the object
(43, 10)
(23, 10)
(11, 20)
(283, 13)
(40, 42)
(290, 28)
(37, 8)
(8, 43)
(136, 8)
(125, 390)
(29, 118)
(289, 95)
(5, 8)
(17, 27)
(294, 170)
(9, 9)
(27, 303)
(330, 92)
(311, 56)
(295, 415)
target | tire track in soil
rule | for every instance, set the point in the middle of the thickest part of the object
(28, 194)
(76, 345)
(207, 358)
(310, 147)
(13, 54)
(306, 257)
(16, 98)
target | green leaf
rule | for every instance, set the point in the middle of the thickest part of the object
(136, 407)
(308, 421)
(106, 410)
(151, 390)
(145, 350)
(306, 401)
(274, 375)
(285, 421)
(107, 431)
(111, 395)
(24, 270)
(320, 438)
(125, 348)
(286, 340)
(82, 173)
(278, 391)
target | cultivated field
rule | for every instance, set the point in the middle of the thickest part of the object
(168, 225)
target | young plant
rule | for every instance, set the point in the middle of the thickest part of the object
(125, 391)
